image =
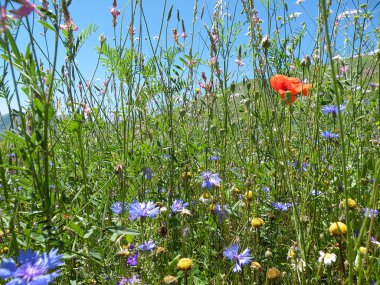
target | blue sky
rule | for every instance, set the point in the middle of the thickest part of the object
(86, 12)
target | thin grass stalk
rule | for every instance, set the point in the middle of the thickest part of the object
(338, 101)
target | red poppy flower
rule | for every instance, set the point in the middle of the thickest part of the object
(282, 84)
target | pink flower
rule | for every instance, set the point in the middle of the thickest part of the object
(239, 62)
(114, 12)
(69, 25)
(184, 35)
(213, 60)
(191, 63)
(215, 37)
(344, 69)
(25, 9)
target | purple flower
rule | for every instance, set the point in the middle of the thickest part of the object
(178, 205)
(282, 206)
(330, 136)
(239, 259)
(210, 180)
(130, 281)
(370, 213)
(148, 246)
(31, 268)
(117, 208)
(142, 210)
(220, 211)
(132, 259)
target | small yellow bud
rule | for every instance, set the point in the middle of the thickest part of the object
(248, 195)
(362, 250)
(255, 265)
(169, 280)
(160, 250)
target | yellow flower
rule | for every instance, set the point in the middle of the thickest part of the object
(362, 250)
(255, 265)
(186, 175)
(257, 222)
(273, 273)
(160, 250)
(184, 264)
(350, 202)
(291, 253)
(337, 229)
(169, 279)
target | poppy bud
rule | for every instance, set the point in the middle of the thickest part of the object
(233, 86)
(306, 61)
(265, 42)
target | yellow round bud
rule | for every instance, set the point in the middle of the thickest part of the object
(337, 229)
(184, 264)
(350, 202)
(257, 222)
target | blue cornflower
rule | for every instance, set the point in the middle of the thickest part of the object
(132, 259)
(214, 158)
(178, 205)
(32, 268)
(142, 210)
(210, 179)
(315, 193)
(331, 109)
(148, 246)
(117, 208)
(266, 189)
(147, 173)
(239, 259)
(282, 206)
(220, 211)
(330, 136)
(370, 213)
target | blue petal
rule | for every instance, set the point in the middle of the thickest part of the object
(8, 268)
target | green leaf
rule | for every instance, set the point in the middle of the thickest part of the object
(122, 231)
(76, 228)
(95, 254)
(46, 25)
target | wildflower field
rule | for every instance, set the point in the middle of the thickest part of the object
(236, 142)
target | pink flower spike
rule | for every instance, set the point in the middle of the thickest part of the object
(69, 25)
(114, 12)
(25, 9)
(184, 35)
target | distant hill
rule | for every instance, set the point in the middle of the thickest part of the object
(5, 122)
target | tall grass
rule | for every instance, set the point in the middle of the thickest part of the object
(172, 108)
